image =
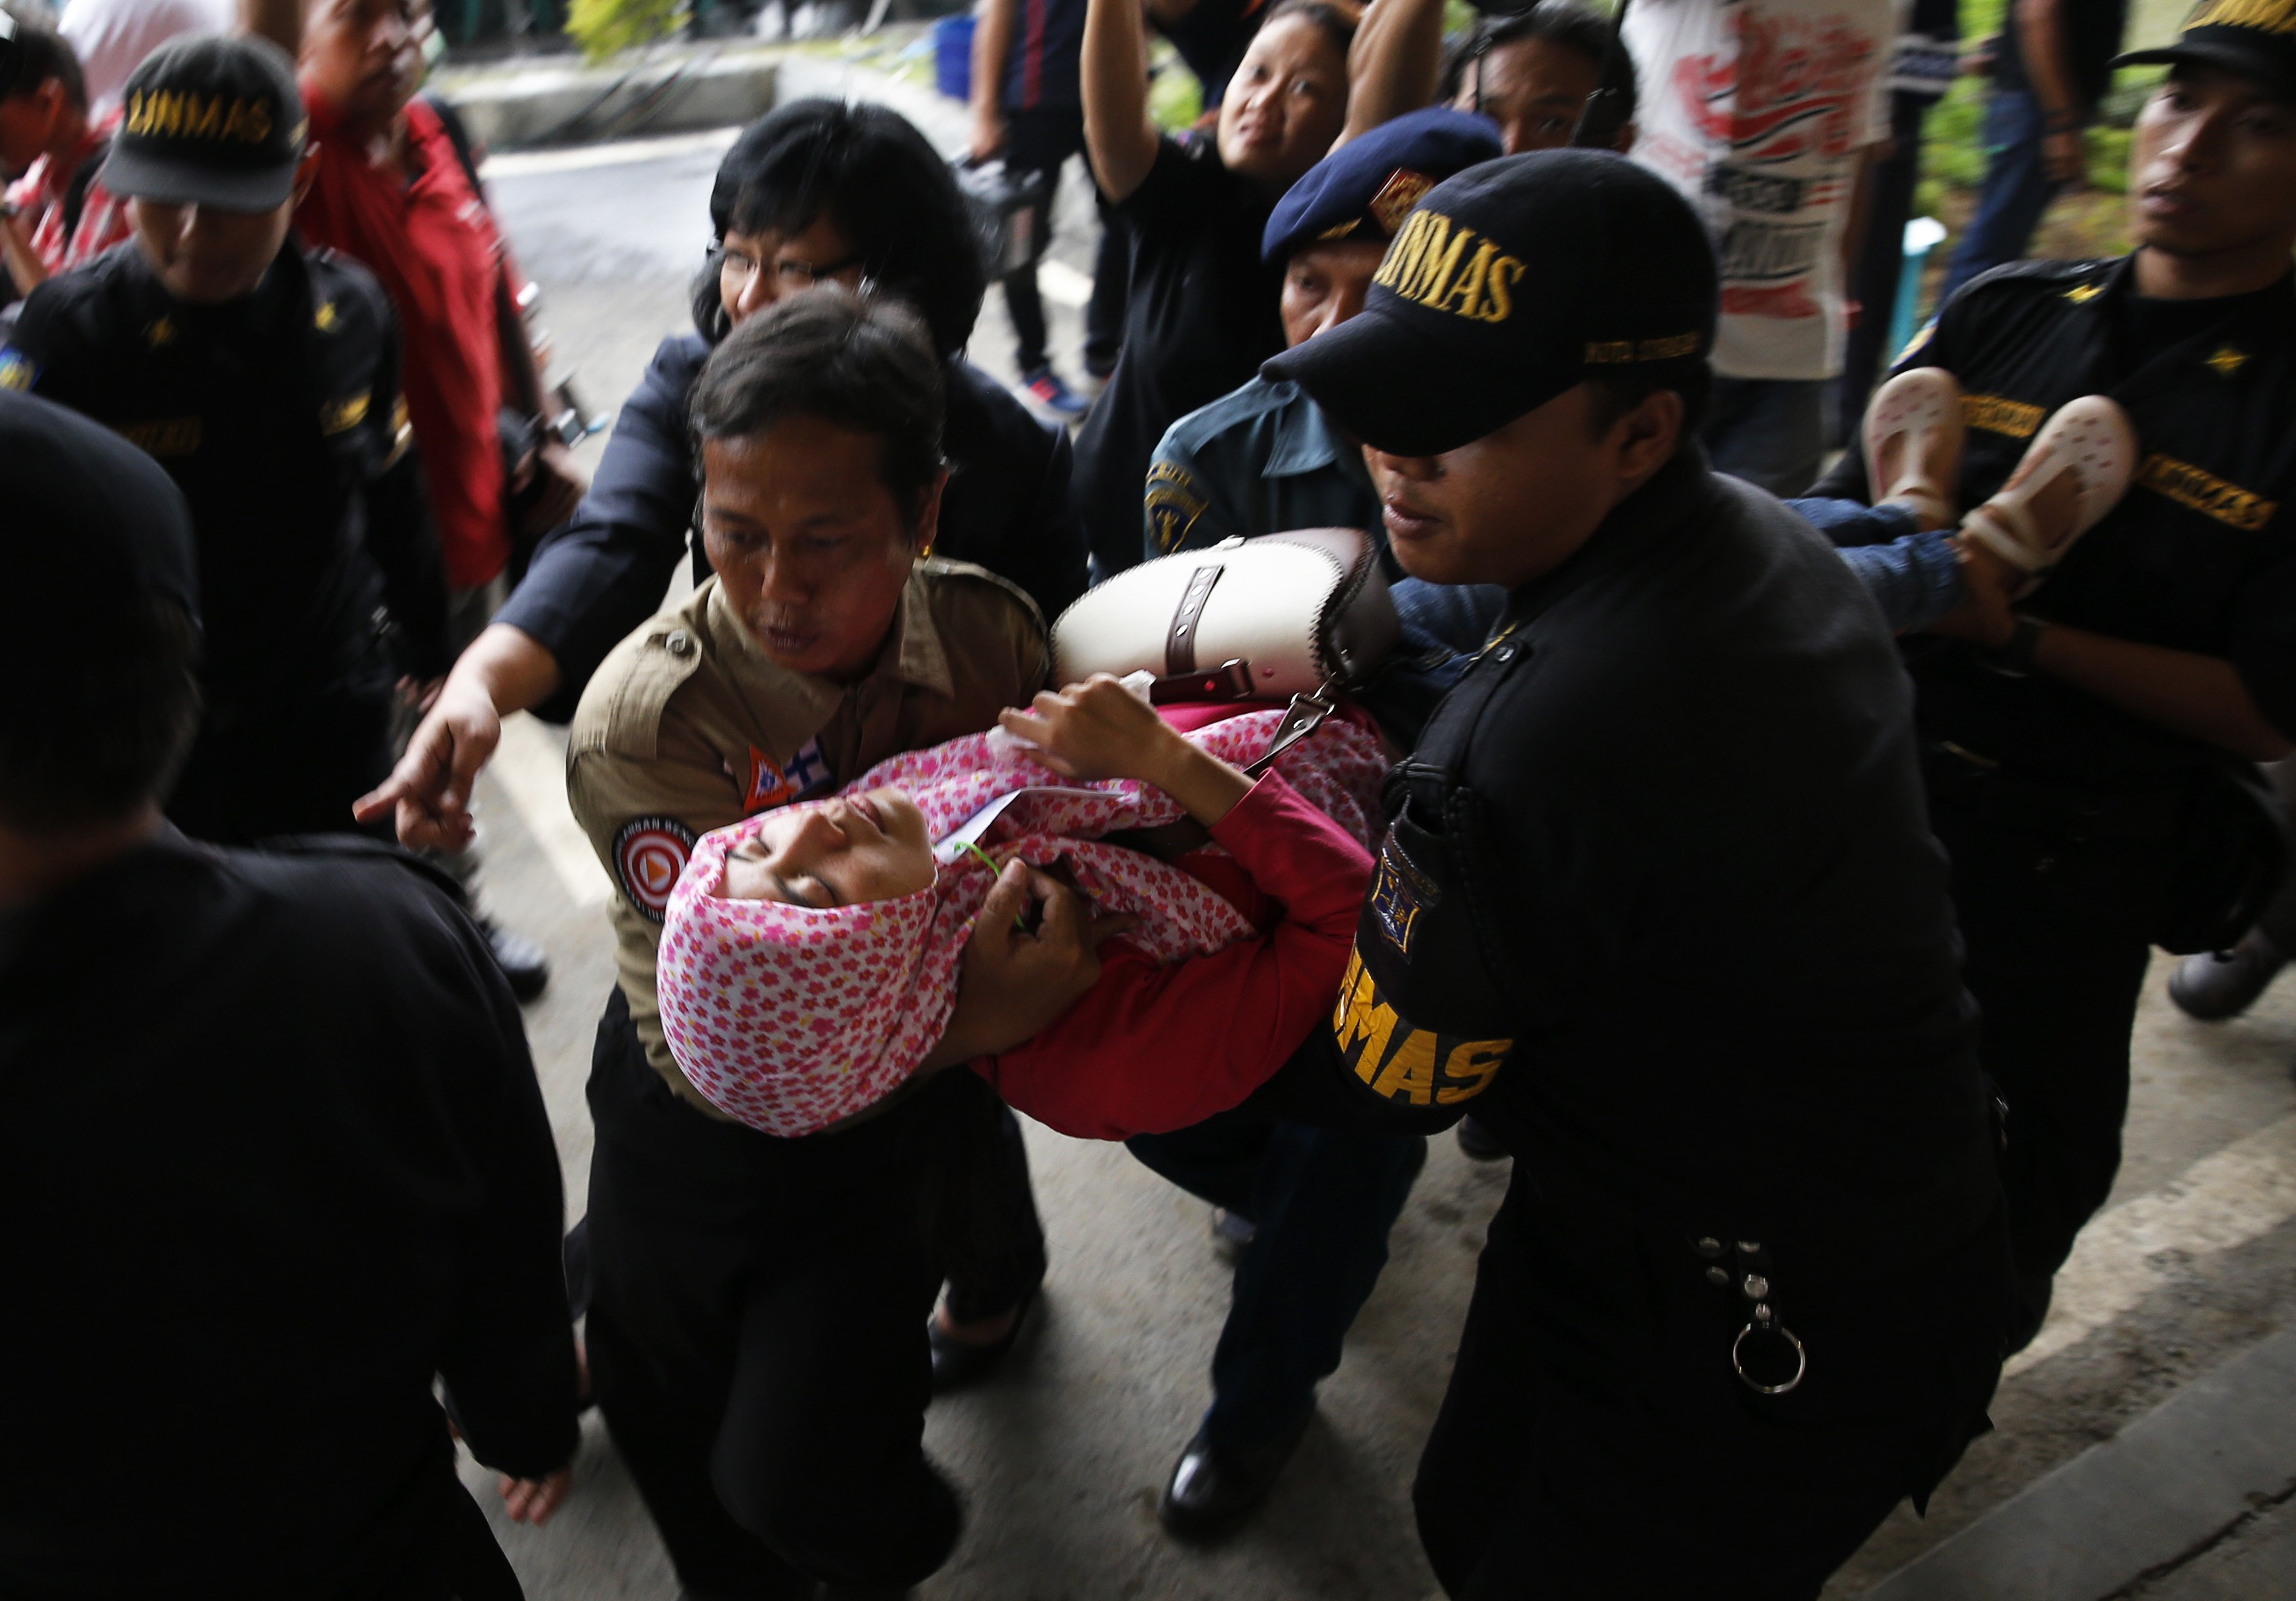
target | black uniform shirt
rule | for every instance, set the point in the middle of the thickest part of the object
(1660, 902)
(279, 416)
(271, 1156)
(601, 577)
(1203, 313)
(2200, 554)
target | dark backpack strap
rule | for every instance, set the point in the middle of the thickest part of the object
(84, 180)
(458, 135)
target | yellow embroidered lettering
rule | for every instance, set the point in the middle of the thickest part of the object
(1498, 286)
(1468, 292)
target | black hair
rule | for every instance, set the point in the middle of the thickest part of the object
(1338, 19)
(1562, 21)
(41, 53)
(1616, 393)
(871, 171)
(97, 741)
(863, 362)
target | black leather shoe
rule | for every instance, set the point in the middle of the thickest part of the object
(955, 1364)
(1480, 1143)
(1213, 1491)
(521, 959)
(2217, 984)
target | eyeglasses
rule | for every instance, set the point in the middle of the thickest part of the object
(790, 274)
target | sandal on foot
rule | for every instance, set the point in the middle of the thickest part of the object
(2090, 439)
(1922, 408)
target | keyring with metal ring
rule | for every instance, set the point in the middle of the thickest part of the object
(1801, 1360)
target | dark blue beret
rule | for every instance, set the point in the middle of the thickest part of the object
(1366, 188)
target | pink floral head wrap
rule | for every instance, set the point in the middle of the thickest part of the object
(791, 1018)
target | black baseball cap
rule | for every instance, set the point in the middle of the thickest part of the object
(1506, 285)
(2256, 38)
(210, 119)
(86, 511)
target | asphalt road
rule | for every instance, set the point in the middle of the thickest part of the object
(1060, 1457)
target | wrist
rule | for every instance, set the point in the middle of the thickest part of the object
(2013, 657)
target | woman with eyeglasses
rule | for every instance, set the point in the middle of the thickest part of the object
(817, 190)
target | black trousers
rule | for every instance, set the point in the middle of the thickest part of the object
(1043, 141)
(1320, 1203)
(292, 770)
(757, 1325)
(2056, 937)
(1595, 1442)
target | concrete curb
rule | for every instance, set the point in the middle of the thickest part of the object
(563, 104)
(2165, 1489)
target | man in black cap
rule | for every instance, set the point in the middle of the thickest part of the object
(264, 378)
(270, 1140)
(2090, 751)
(1746, 1286)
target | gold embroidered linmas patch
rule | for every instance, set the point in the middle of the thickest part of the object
(167, 436)
(184, 114)
(2205, 493)
(2268, 16)
(1400, 1062)
(1999, 414)
(1446, 267)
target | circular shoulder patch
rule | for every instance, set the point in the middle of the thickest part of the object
(649, 854)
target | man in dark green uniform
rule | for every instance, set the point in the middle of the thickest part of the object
(265, 379)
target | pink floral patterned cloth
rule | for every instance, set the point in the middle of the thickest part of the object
(791, 1018)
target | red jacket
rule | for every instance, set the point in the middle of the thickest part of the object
(1153, 1048)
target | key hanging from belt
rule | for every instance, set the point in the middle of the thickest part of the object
(1767, 1357)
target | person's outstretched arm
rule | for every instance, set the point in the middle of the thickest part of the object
(1394, 65)
(1119, 134)
(589, 585)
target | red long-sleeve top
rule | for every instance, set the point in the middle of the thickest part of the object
(1152, 1049)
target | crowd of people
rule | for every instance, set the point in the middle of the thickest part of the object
(1772, 879)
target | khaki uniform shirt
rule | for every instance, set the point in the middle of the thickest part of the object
(687, 727)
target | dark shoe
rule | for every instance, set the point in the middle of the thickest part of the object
(865, 1592)
(521, 959)
(1232, 1231)
(1480, 1142)
(1213, 1491)
(2217, 984)
(955, 1364)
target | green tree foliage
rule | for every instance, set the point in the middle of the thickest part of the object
(605, 28)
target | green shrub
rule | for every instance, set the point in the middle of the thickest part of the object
(605, 28)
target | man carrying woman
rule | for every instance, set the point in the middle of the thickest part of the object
(756, 1329)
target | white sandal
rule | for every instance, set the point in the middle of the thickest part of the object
(1923, 405)
(2090, 437)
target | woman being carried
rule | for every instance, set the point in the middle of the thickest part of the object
(810, 957)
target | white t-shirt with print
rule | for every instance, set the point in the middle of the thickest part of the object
(1756, 110)
(111, 38)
